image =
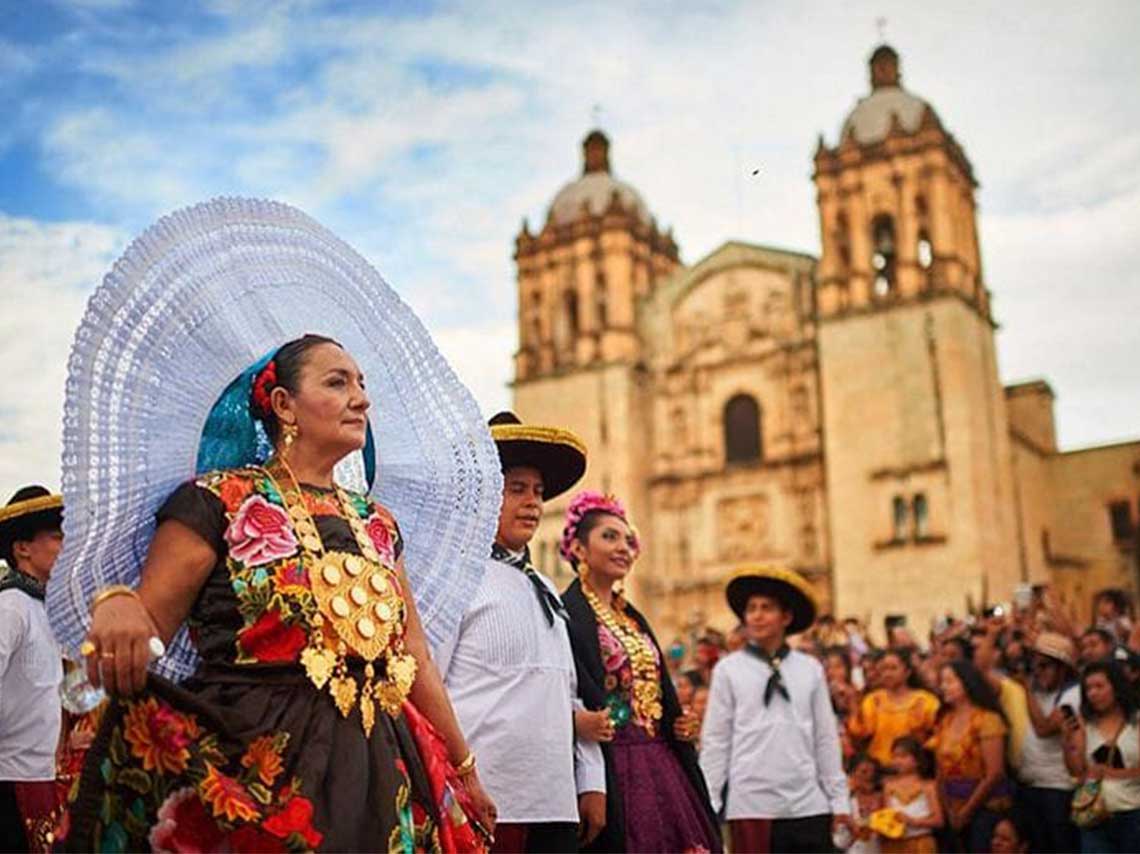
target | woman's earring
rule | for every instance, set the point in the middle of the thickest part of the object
(289, 434)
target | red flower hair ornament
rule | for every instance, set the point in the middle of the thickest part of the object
(586, 502)
(259, 402)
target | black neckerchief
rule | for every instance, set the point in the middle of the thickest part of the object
(775, 681)
(13, 579)
(550, 603)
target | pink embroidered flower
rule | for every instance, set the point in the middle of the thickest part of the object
(381, 536)
(260, 532)
(613, 655)
(184, 825)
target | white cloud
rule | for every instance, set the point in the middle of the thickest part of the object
(47, 272)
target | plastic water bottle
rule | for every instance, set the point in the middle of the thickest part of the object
(77, 693)
(841, 837)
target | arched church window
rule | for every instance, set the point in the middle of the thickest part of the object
(570, 306)
(742, 430)
(601, 299)
(921, 516)
(883, 254)
(899, 517)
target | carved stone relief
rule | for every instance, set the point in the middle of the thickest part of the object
(744, 524)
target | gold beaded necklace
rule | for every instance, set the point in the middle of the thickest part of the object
(645, 693)
(358, 611)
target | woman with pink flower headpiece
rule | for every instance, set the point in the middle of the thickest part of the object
(656, 798)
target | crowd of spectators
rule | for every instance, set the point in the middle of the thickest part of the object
(1013, 729)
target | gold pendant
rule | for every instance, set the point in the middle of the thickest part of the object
(367, 709)
(344, 693)
(319, 665)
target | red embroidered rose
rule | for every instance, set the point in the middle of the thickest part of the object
(184, 825)
(159, 736)
(269, 639)
(233, 491)
(381, 536)
(296, 816)
(250, 837)
(260, 532)
(260, 403)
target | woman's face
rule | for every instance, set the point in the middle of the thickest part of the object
(330, 406)
(684, 690)
(609, 550)
(1099, 692)
(953, 691)
(892, 672)
(836, 669)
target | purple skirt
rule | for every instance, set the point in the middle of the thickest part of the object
(662, 812)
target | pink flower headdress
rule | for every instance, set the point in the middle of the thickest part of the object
(588, 501)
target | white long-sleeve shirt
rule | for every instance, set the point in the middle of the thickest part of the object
(511, 678)
(30, 672)
(779, 761)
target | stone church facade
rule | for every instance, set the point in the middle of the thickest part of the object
(842, 415)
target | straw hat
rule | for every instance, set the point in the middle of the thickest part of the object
(31, 510)
(786, 585)
(559, 455)
(1056, 646)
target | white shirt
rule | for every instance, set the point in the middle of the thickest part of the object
(512, 682)
(30, 674)
(781, 760)
(1043, 759)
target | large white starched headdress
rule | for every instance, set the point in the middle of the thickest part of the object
(193, 302)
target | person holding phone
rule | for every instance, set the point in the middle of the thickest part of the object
(1046, 786)
(899, 707)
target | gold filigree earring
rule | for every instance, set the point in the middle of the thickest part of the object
(289, 434)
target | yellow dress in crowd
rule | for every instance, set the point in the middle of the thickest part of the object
(884, 719)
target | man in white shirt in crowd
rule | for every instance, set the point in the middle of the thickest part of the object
(1046, 790)
(510, 670)
(30, 669)
(770, 737)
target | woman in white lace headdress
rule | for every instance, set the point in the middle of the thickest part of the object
(301, 709)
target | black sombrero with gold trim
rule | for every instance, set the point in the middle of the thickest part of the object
(786, 585)
(559, 455)
(31, 510)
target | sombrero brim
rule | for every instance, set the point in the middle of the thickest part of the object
(778, 583)
(35, 514)
(559, 455)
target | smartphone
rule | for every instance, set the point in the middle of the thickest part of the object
(1067, 712)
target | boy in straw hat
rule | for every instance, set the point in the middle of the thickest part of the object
(30, 669)
(510, 671)
(1047, 787)
(770, 737)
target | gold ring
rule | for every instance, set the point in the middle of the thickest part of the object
(106, 655)
(87, 648)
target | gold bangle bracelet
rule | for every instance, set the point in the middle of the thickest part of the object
(110, 592)
(467, 766)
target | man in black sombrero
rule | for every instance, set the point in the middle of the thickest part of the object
(769, 735)
(30, 669)
(510, 672)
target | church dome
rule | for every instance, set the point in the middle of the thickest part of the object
(596, 188)
(870, 121)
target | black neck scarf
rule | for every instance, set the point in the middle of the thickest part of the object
(13, 579)
(549, 602)
(775, 681)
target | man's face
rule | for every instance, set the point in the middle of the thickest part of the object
(37, 556)
(522, 507)
(1094, 648)
(765, 619)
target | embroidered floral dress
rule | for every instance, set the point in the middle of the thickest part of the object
(662, 811)
(249, 754)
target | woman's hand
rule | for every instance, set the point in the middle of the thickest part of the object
(958, 818)
(1096, 771)
(486, 812)
(593, 726)
(121, 629)
(687, 727)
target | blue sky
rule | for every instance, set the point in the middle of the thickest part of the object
(424, 133)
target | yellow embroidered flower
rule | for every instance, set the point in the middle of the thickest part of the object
(264, 756)
(160, 736)
(227, 797)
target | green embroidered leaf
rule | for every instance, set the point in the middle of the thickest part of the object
(118, 751)
(260, 794)
(134, 821)
(135, 778)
